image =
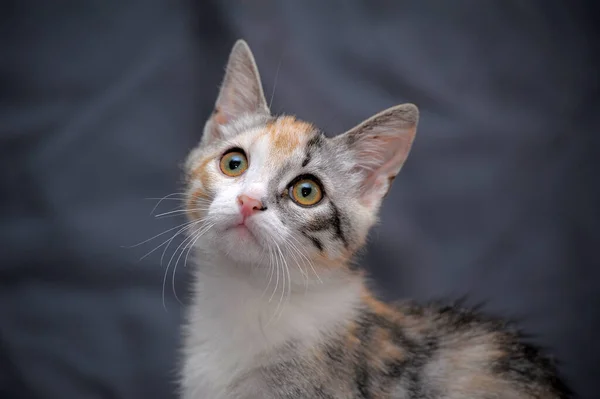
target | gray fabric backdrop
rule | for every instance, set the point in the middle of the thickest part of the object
(101, 100)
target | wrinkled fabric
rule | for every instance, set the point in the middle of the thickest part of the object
(100, 102)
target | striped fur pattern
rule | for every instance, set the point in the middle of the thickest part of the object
(279, 309)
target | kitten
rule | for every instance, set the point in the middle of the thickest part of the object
(277, 210)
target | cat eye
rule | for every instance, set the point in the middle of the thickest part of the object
(234, 162)
(306, 192)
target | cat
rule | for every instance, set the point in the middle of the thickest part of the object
(277, 211)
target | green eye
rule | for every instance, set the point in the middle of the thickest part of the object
(306, 192)
(234, 163)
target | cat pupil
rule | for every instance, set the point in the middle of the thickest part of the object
(306, 191)
(234, 164)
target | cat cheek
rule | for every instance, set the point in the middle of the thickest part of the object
(198, 203)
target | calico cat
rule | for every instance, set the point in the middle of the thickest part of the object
(277, 211)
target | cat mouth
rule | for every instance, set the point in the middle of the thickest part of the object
(243, 231)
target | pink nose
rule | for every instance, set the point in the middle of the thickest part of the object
(249, 205)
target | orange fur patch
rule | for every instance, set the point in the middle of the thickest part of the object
(286, 134)
(193, 204)
(379, 307)
(201, 173)
(351, 339)
(479, 382)
(385, 348)
(340, 261)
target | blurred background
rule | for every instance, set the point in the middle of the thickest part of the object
(101, 100)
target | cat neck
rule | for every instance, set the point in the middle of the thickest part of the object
(247, 305)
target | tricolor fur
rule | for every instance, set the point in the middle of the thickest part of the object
(280, 311)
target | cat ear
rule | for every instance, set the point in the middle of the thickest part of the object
(380, 146)
(241, 92)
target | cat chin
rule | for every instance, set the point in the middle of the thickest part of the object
(241, 245)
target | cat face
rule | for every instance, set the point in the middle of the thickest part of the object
(265, 188)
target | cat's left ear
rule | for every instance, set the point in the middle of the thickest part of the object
(241, 92)
(380, 146)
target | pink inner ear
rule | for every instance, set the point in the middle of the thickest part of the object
(385, 154)
(375, 187)
(382, 159)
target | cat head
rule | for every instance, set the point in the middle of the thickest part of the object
(264, 187)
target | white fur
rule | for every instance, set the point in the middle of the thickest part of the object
(233, 327)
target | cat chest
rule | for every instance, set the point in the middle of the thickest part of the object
(215, 361)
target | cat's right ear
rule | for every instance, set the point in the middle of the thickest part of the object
(380, 146)
(241, 93)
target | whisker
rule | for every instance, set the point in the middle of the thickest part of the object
(271, 270)
(164, 284)
(284, 266)
(162, 257)
(307, 259)
(189, 238)
(293, 251)
(169, 264)
(191, 246)
(181, 197)
(169, 196)
(169, 240)
(289, 246)
(158, 235)
(275, 83)
(276, 276)
(179, 211)
(276, 257)
(191, 242)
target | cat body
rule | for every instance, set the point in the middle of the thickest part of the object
(277, 211)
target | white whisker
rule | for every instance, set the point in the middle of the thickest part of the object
(285, 268)
(271, 272)
(192, 246)
(170, 197)
(191, 239)
(276, 277)
(164, 284)
(174, 253)
(164, 198)
(275, 83)
(290, 248)
(180, 211)
(307, 259)
(168, 241)
(158, 235)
